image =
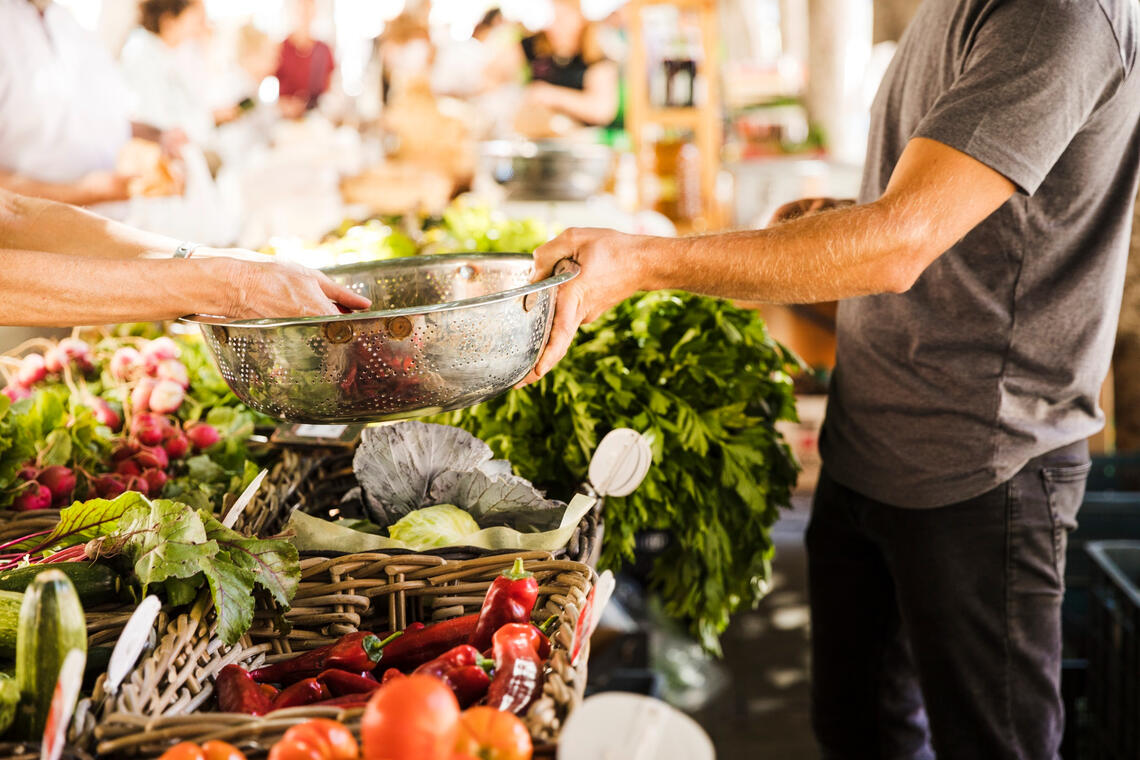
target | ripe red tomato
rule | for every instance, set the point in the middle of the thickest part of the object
(291, 749)
(413, 718)
(184, 751)
(492, 734)
(331, 738)
(218, 750)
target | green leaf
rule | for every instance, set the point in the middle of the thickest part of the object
(182, 591)
(164, 539)
(83, 521)
(57, 450)
(271, 562)
(231, 588)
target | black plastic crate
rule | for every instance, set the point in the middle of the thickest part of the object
(1114, 650)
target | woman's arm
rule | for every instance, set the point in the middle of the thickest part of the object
(596, 103)
(96, 187)
(36, 224)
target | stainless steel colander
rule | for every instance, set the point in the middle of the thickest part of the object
(447, 332)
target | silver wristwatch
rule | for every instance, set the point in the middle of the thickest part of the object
(184, 250)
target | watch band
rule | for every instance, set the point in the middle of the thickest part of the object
(184, 250)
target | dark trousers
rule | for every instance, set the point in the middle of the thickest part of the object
(938, 631)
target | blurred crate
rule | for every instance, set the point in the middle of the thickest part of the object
(1114, 650)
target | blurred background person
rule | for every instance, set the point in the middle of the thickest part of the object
(305, 65)
(570, 73)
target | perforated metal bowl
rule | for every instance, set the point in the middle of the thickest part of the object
(448, 332)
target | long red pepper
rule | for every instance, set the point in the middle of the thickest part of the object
(463, 669)
(417, 647)
(346, 702)
(341, 682)
(356, 652)
(518, 669)
(238, 692)
(510, 599)
(304, 692)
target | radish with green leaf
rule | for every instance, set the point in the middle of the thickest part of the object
(60, 481)
(36, 496)
(166, 397)
(203, 435)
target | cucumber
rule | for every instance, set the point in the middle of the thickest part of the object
(10, 603)
(51, 625)
(9, 698)
(95, 583)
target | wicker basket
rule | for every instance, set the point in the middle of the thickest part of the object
(316, 482)
(168, 695)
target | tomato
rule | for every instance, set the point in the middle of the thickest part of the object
(184, 751)
(413, 718)
(491, 734)
(217, 750)
(332, 739)
(291, 749)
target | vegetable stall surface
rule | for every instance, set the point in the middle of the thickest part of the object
(706, 384)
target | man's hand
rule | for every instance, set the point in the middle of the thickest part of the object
(806, 207)
(284, 289)
(611, 271)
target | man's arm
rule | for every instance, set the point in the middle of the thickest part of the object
(935, 196)
(96, 187)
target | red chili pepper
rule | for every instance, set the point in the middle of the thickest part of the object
(269, 690)
(341, 682)
(238, 692)
(355, 651)
(469, 683)
(417, 647)
(518, 669)
(345, 702)
(457, 657)
(391, 674)
(510, 599)
(304, 692)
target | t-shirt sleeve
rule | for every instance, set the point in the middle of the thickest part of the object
(1032, 75)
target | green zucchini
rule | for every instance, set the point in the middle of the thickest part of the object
(9, 699)
(51, 625)
(95, 583)
(10, 603)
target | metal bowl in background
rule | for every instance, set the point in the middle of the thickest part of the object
(447, 332)
(553, 170)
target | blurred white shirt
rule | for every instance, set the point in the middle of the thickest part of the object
(163, 92)
(63, 104)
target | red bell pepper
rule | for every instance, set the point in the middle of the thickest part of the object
(518, 669)
(510, 599)
(341, 682)
(417, 647)
(355, 652)
(304, 692)
(238, 692)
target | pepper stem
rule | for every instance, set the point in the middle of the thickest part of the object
(517, 571)
(486, 663)
(374, 647)
(547, 624)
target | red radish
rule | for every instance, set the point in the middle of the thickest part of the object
(54, 360)
(203, 436)
(158, 350)
(167, 396)
(137, 483)
(108, 486)
(140, 396)
(16, 392)
(125, 450)
(105, 414)
(124, 363)
(32, 370)
(174, 370)
(128, 467)
(177, 446)
(152, 456)
(36, 497)
(28, 472)
(60, 481)
(155, 480)
(77, 351)
(148, 435)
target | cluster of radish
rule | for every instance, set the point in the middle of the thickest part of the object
(155, 438)
(36, 367)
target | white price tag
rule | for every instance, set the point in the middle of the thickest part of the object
(319, 431)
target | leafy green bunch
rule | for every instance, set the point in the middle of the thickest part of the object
(706, 384)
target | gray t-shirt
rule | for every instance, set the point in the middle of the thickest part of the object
(998, 352)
